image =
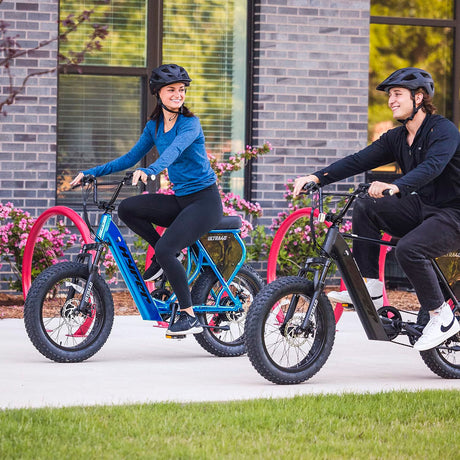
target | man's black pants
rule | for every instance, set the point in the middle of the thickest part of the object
(426, 232)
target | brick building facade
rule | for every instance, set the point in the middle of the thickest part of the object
(309, 98)
(28, 132)
(310, 90)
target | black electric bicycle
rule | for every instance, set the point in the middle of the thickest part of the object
(290, 327)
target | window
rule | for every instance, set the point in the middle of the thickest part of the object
(414, 33)
(103, 109)
(99, 118)
(210, 40)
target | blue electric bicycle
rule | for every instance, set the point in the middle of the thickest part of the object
(69, 309)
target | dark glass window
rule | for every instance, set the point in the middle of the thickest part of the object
(210, 40)
(414, 33)
(127, 24)
(394, 46)
(103, 108)
(99, 119)
(432, 9)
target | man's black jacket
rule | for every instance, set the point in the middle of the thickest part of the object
(430, 166)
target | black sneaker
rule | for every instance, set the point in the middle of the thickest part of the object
(186, 324)
(154, 271)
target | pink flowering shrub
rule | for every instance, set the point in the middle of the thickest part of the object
(15, 226)
(297, 244)
(50, 245)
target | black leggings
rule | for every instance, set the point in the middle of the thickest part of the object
(425, 231)
(187, 218)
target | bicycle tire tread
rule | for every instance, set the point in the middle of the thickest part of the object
(253, 335)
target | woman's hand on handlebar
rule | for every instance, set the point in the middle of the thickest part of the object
(77, 179)
(300, 182)
(139, 175)
(377, 188)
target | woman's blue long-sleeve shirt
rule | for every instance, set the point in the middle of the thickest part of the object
(181, 150)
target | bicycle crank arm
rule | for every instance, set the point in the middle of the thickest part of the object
(222, 328)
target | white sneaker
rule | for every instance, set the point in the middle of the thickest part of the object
(439, 329)
(374, 286)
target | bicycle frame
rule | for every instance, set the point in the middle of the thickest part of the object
(149, 307)
(337, 249)
(198, 257)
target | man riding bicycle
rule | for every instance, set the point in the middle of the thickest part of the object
(423, 209)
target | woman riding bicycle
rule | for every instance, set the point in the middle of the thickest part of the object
(424, 209)
(193, 210)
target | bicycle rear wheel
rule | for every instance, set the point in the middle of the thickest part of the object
(246, 284)
(277, 347)
(53, 324)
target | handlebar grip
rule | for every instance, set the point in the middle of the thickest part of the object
(388, 192)
(84, 180)
(310, 186)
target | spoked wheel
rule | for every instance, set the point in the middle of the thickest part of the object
(279, 349)
(228, 341)
(55, 326)
(444, 360)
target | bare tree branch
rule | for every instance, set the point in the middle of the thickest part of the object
(10, 50)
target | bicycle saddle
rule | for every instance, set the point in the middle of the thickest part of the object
(228, 222)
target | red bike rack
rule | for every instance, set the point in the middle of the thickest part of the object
(281, 233)
(35, 231)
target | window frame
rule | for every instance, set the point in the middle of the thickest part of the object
(454, 24)
(153, 59)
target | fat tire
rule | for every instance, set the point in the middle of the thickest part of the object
(259, 314)
(208, 339)
(436, 362)
(33, 314)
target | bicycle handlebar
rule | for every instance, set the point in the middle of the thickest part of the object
(90, 184)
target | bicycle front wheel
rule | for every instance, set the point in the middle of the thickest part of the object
(278, 348)
(55, 326)
(229, 341)
(444, 360)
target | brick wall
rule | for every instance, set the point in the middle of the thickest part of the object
(310, 96)
(28, 131)
(310, 90)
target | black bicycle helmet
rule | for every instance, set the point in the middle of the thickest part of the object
(410, 78)
(167, 74)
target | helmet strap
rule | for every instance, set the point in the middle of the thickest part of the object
(169, 110)
(415, 109)
(166, 108)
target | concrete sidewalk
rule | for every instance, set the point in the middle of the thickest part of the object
(138, 364)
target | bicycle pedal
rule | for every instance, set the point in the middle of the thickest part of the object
(168, 336)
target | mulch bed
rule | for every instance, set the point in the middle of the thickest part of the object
(12, 306)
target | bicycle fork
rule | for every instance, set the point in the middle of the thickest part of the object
(336, 249)
(93, 268)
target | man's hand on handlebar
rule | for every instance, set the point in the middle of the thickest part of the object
(300, 183)
(377, 188)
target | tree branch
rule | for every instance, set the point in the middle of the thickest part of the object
(11, 50)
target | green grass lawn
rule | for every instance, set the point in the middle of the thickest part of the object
(396, 425)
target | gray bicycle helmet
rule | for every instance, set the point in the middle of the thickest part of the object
(410, 78)
(167, 74)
